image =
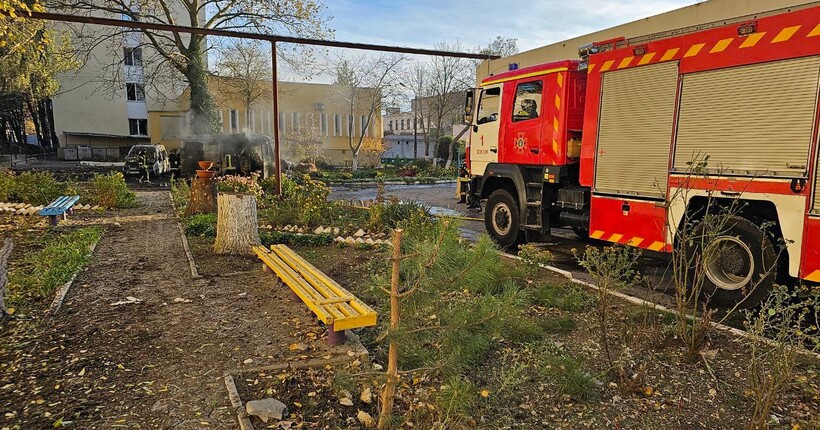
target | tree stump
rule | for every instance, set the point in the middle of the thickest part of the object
(237, 229)
(203, 197)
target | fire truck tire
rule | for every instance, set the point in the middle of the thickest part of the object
(743, 269)
(501, 218)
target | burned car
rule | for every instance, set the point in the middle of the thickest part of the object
(232, 154)
(146, 160)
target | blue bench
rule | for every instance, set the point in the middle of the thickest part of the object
(61, 206)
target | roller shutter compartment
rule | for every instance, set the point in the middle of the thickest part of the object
(754, 120)
(635, 130)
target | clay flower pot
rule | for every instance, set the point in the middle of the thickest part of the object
(206, 165)
(205, 174)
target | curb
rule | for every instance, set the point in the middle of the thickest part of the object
(62, 292)
(188, 254)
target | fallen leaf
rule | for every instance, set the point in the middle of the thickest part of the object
(345, 401)
(648, 391)
(366, 396)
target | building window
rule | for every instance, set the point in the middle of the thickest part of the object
(297, 123)
(337, 125)
(391, 126)
(132, 56)
(234, 117)
(138, 127)
(281, 122)
(402, 124)
(364, 125)
(351, 130)
(323, 121)
(135, 92)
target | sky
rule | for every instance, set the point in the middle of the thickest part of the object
(535, 23)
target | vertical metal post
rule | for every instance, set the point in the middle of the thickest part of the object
(276, 148)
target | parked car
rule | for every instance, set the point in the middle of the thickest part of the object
(150, 158)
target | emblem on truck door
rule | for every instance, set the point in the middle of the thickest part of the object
(520, 142)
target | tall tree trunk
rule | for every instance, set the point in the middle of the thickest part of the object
(389, 393)
(205, 115)
(355, 162)
(38, 129)
(237, 228)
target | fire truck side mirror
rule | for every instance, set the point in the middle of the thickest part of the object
(469, 105)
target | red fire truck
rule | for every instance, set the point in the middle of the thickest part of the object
(606, 145)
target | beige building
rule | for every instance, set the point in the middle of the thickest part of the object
(700, 14)
(316, 110)
(101, 110)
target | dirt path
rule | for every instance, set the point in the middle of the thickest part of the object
(158, 363)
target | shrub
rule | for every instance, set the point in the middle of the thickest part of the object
(201, 225)
(180, 194)
(276, 237)
(6, 184)
(567, 297)
(387, 215)
(37, 188)
(364, 174)
(110, 191)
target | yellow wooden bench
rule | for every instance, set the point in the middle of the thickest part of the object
(333, 305)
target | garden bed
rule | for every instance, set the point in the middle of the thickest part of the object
(548, 372)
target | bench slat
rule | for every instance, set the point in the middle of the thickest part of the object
(358, 314)
(318, 279)
(292, 280)
(59, 206)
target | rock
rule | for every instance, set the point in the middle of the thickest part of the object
(286, 228)
(359, 233)
(328, 230)
(360, 241)
(378, 242)
(350, 241)
(366, 396)
(266, 409)
(248, 361)
(181, 300)
(377, 366)
(339, 239)
(345, 401)
(365, 419)
(319, 230)
(336, 230)
(370, 241)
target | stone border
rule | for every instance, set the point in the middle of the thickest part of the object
(638, 301)
(188, 254)
(354, 344)
(62, 292)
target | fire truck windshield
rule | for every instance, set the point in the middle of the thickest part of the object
(488, 105)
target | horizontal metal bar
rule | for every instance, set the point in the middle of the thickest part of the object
(47, 16)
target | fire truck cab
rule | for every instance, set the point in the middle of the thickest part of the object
(640, 139)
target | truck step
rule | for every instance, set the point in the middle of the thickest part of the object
(536, 204)
(531, 227)
(535, 184)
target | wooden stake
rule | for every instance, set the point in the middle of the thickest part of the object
(385, 416)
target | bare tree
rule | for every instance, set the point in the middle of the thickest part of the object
(501, 46)
(449, 77)
(305, 144)
(418, 77)
(173, 54)
(247, 65)
(363, 83)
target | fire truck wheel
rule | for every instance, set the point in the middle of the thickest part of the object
(501, 218)
(741, 267)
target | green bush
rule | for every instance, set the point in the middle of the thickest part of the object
(6, 184)
(37, 188)
(364, 174)
(276, 237)
(200, 225)
(110, 191)
(180, 194)
(387, 215)
(240, 184)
